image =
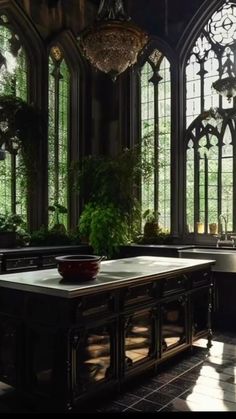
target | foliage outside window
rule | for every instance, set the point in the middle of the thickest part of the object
(210, 121)
(59, 84)
(156, 136)
(13, 81)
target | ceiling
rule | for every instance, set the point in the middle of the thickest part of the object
(150, 14)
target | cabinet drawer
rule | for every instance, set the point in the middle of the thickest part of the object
(201, 278)
(140, 294)
(175, 285)
(95, 306)
(49, 261)
(13, 265)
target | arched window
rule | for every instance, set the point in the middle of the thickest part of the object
(13, 81)
(156, 135)
(58, 135)
(210, 141)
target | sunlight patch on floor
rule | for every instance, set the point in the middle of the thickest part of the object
(207, 403)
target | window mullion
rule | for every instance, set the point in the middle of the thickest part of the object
(56, 134)
(156, 149)
(206, 193)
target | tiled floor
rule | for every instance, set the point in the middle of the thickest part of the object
(194, 381)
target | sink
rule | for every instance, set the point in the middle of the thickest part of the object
(212, 251)
(225, 258)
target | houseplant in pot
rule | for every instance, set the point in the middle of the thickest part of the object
(152, 232)
(12, 231)
(109, 186)
(58, 210)
(151, 226)
(104, 227)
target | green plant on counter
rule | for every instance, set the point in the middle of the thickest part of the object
(15, 223)
(104, 227)
(59, 211)
(110, 186)
(10, 222)
(160, 238)
(151, 227)
(45, 237)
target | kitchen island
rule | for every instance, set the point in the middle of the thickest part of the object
(62, 343)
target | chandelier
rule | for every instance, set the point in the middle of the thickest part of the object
(113, 42)
(226, 85)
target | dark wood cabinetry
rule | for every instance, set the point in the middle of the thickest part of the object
(31, 258)
(224, 307)
(65, 348)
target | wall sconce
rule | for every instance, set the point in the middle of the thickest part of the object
(113, 42)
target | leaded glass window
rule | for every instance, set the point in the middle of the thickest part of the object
(156, 135)
(13, 81)
(210, 122)
(58, 142)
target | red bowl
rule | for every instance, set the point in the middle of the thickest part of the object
(78, 267)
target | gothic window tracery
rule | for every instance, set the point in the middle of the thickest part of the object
(210, 140)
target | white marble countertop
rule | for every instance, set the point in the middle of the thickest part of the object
(113, 274)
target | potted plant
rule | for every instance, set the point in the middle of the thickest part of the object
(51, 237)
(19, 122)
(110, 189)
(105, 228)
(151, 227)
(12, 231)
(59, 211)
(21, 129)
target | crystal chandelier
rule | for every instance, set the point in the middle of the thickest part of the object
(113, 42)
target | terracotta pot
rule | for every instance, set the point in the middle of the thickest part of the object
(78, 268)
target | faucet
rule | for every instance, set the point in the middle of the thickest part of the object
(224, 237)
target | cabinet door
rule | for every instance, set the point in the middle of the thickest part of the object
(201, 311)
(174, 324)
(42, 347)
(139, 338)
(92, 357)
(10, 358)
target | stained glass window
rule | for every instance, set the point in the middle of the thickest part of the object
(13, 81)
(59, 96)
(210, 124)
(156, 136)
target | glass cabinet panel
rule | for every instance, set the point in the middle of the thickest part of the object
(138, 337)
(173, 323)
(92, 356)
